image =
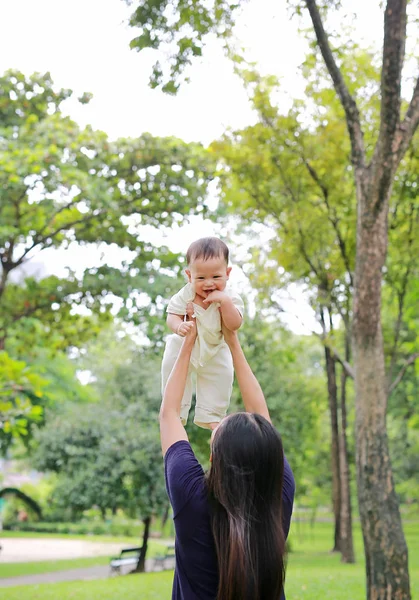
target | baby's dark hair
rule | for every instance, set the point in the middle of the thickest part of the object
(206, 248)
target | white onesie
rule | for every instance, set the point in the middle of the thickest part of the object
(210, 360)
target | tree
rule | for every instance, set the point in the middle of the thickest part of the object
(291, 179)
(109, 459)
(374, 170)
(62, 184)
(183, 26)
(109, 454)
(385, 545)
(21, 398)
(288, 369)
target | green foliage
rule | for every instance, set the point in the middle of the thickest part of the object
(127, 529)
(63, 184)
(293, 178)
(289, 370)
(109, 454)
(181, 28)
(21, 394)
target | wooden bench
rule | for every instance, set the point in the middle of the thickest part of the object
(124, 560)
(162, 559)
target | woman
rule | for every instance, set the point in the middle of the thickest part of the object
(231, 525)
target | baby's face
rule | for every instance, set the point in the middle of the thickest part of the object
(208, 275)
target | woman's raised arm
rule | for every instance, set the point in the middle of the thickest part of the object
(253, 398)
(171, 428)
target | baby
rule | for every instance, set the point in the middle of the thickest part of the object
(206, 295)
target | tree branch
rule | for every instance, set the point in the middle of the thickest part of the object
(353, 121)
(288, 187)
(101, 213)
(408, 127)
(383, 161)
(57, 212)
(332, 218)
(395, 20)
(349, 370)
(402, 372)
(30, 311)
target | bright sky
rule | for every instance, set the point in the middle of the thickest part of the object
(85, 46)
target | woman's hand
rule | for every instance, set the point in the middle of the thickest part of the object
(188, 326)
(185, 328)
(191, 330)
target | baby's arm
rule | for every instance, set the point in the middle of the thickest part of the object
(232, 319)
(177, 323)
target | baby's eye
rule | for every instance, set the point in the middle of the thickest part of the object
(200, 278)
(216, 276)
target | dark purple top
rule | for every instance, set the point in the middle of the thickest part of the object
(196, 572)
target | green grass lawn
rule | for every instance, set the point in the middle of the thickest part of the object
(150, 586)
(33, 568)
(312, 574)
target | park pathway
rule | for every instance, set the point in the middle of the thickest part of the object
(96, 572)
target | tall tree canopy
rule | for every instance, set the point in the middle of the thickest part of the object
(60, 185)
(374, 164)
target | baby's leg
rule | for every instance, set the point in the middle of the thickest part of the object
(214, 384)
(173, 344)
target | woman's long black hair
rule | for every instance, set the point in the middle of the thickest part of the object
(245, 490)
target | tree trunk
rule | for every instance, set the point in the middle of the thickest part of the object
(346, 540)
(334, 449)
(140, 568)
(384, 542)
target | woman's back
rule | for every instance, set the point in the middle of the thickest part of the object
(197, 573)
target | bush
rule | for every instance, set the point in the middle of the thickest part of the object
(82, 528)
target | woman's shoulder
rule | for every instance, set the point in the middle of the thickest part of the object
(180, 451)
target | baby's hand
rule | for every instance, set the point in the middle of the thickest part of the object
(216, 296)
(184, 328)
